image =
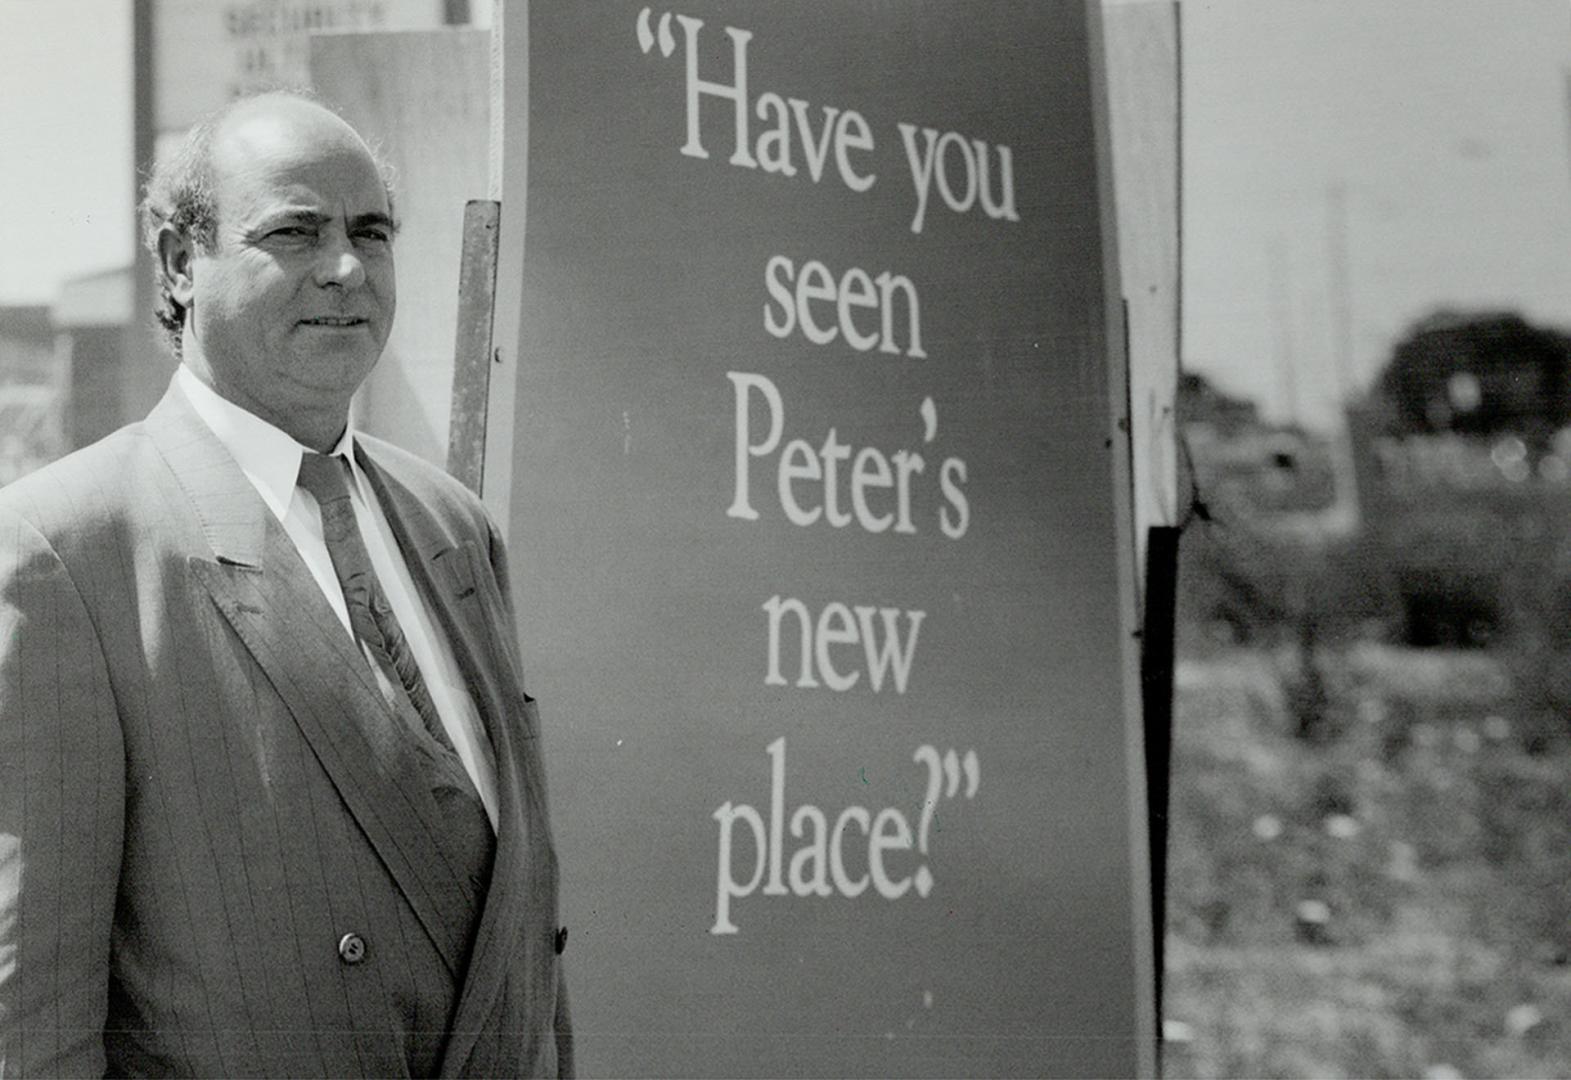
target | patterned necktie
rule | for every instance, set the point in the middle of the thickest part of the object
(370, 615)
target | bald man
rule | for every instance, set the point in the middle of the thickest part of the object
(271, 796)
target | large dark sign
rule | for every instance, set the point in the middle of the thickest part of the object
(819, 544)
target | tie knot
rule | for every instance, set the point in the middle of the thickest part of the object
(323, 476)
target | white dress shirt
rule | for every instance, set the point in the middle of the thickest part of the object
(270, 459)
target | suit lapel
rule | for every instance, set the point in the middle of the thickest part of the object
(263, 588)
(453, 578)
(444, 572)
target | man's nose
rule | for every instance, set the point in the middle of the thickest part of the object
(339, 264)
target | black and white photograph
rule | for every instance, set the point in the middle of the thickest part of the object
(822, 538)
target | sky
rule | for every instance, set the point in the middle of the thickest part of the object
(1444, 125)
(65, 143)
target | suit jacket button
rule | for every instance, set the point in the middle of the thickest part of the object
(561, 939)
(351, 948)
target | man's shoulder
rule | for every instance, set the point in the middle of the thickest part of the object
(99, 482)
(434, 487)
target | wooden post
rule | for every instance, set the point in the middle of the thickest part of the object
(472, 350)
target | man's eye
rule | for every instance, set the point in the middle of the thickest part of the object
(374, 236)
(293, 232)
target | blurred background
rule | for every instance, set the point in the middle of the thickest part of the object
(1370, 815)
(1371, 805)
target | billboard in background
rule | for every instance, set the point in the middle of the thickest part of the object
(206, 53)
(818, 505)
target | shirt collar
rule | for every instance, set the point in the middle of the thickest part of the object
(269, 457)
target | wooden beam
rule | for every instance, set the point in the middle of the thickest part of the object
(472, 354)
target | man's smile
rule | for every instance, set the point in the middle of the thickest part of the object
(334, 320)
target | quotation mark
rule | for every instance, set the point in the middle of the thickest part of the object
(646, 38)
(944, 773)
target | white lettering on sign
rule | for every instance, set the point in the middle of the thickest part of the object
(854, 291)
(880, 486)
(835, 626)
(959, 184)
(961, 167)
(846, 129)
(826, 477)
(830, 860)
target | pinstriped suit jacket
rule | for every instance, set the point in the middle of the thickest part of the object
(196, 805)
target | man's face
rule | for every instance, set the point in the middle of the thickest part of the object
(291, 308)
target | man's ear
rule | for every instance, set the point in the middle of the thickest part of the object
(176, 254)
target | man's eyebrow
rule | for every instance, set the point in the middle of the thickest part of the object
(291, 217)
(373, 219)
(370, 219)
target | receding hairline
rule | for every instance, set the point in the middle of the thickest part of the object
(275, 115)
(287, 125)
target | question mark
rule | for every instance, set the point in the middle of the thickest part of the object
(927, 755)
